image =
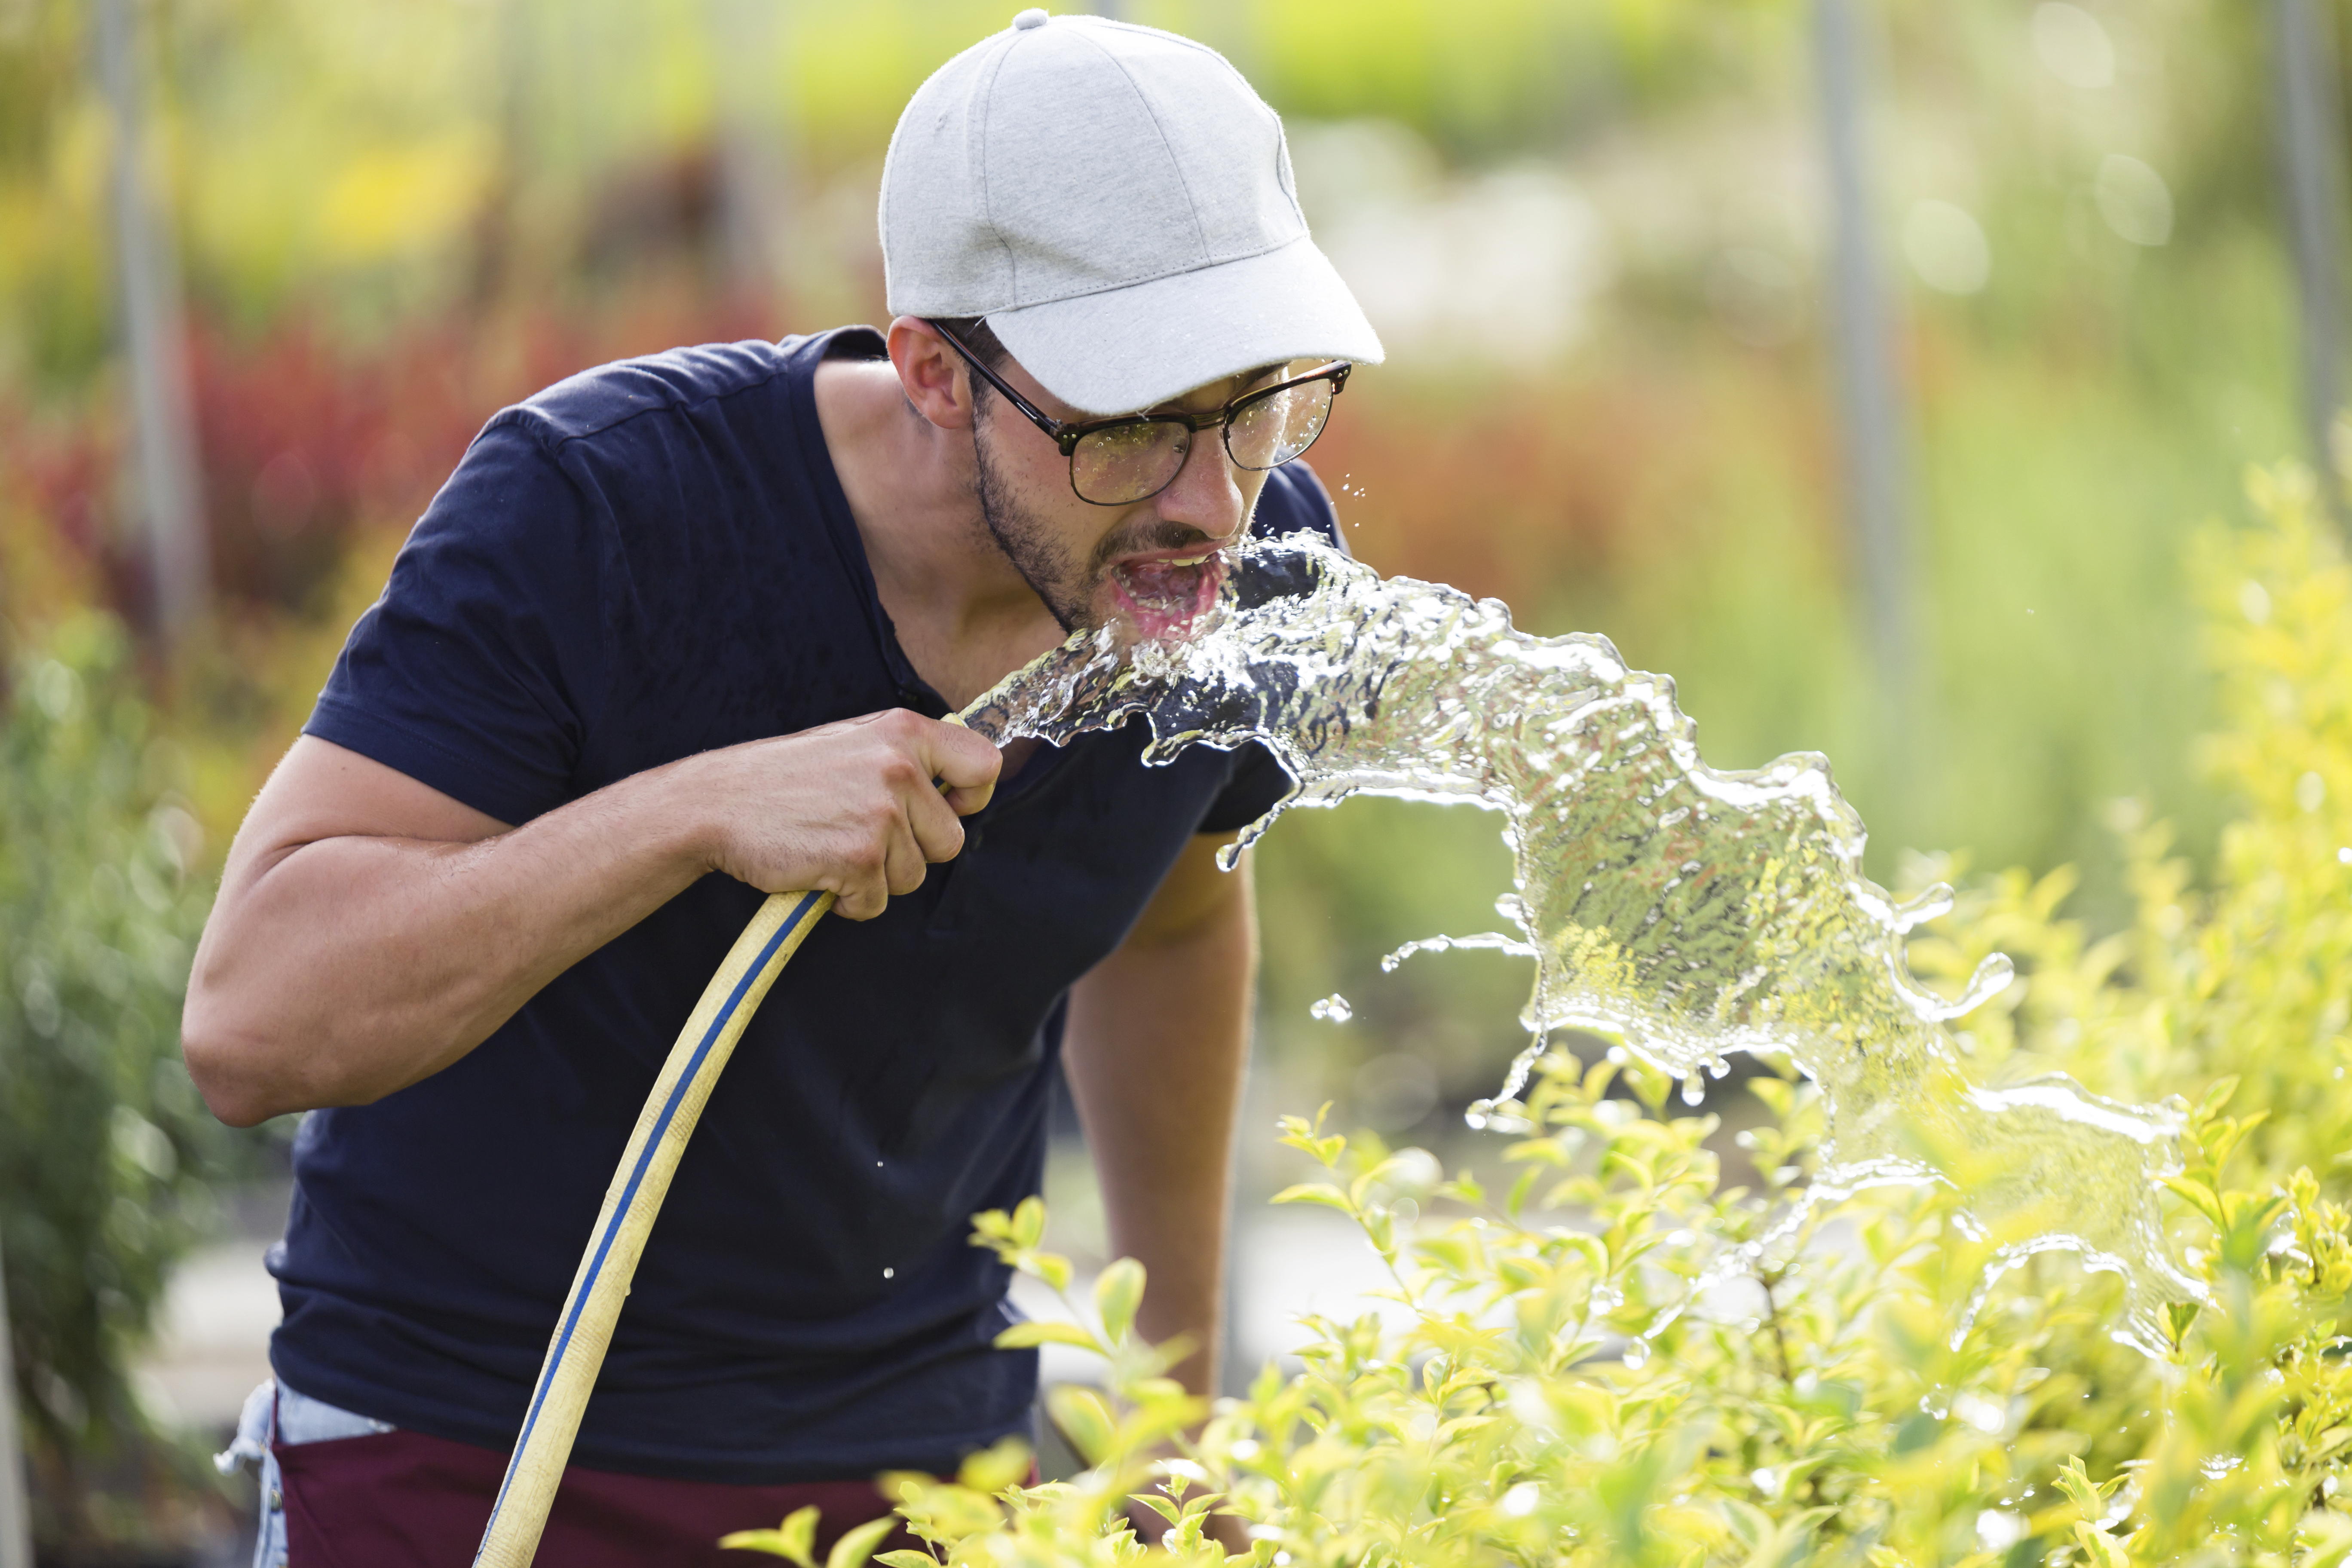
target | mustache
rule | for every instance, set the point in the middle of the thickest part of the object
(1145, 534)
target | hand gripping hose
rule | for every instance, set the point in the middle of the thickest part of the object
(585, 1328)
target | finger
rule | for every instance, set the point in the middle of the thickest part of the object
(862, 895)
(903, 862)
(931, 817)
(965, 764)
(964, 802)
(864, 871)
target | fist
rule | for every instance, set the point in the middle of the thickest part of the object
(859, 809)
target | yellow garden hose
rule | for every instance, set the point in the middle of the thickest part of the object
(585, 1328)
(583, 1332)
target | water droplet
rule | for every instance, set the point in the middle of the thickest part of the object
(1694, 1089)
(889, 1274)
(1984, 1415)
(1637, 1353)
(1998, 1530)
(1333, 1008)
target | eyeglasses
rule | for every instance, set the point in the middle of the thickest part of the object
(1114, 462)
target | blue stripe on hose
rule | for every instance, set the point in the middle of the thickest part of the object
(628, 1195)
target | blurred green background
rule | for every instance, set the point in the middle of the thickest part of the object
(1595, 234)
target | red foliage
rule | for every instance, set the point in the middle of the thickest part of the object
(302, 442)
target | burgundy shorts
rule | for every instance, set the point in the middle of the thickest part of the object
(402, 1499)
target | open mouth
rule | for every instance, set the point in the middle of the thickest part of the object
(1163, 597)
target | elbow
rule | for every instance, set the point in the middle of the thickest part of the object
(250, 1066)
(230, 1065)
(236, 1111)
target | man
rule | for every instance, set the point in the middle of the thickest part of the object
(679, 633)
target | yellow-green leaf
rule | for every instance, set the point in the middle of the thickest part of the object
(767, 1540)
(1117, 1293)
(793, 1539)
(1321, 1193)
(857, 1545)
(1083, 1417)
(1045, 1331)
(1004, 1463)
(2200, 1197)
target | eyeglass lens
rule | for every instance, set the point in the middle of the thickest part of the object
(1273, 430)
(1128, 462)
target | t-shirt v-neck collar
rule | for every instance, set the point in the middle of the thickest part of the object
(841, 526)
(841, 523)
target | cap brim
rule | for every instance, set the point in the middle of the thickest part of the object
(1127, 349)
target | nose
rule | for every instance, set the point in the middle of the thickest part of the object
(1204, 495)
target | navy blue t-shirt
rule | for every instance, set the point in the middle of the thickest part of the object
(645, 562)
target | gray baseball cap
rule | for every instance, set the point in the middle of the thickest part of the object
(1118, 203)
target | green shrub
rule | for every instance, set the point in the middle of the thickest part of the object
(104, 1145)
(1865, 1396)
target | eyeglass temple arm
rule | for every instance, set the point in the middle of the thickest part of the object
(1064, 436)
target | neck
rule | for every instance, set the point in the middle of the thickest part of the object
(963, 617)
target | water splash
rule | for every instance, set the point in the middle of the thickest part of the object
(1684, 910)
(1486, 939)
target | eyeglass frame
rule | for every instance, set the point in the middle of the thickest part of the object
(1067, 434)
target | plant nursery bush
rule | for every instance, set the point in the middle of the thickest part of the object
(104, 1145)
(1862, 1396)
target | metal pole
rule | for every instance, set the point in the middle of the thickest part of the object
(1869, 398)
(15, 1517)
(2310, 120)
(754, 166)
(169, 502)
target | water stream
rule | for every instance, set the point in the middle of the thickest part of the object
(1687, 912)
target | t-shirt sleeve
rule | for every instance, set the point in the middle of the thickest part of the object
(1294, 502)
(480, 669)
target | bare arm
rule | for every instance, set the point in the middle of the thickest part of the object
(371, 930)
(1159, 1037)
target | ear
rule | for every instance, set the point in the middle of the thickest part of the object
(932, 375)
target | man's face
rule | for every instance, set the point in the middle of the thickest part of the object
(1153, 564)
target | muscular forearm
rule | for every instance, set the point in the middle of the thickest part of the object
(341, 969)
(371, 930)
(1158, 1042)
